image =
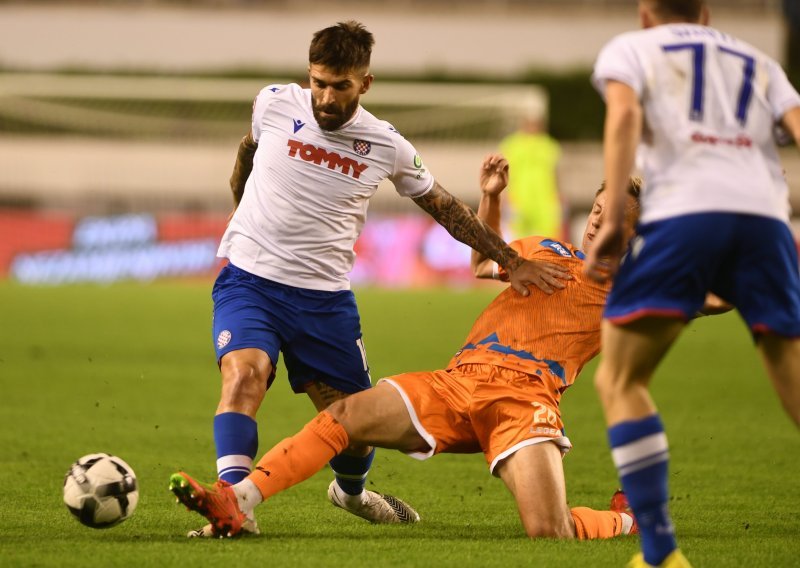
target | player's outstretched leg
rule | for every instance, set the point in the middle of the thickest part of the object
(365, 413)
(372, 506)
(217, 503)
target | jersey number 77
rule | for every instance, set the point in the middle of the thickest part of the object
(698, 51)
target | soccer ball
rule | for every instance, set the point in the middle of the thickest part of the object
(101, 490)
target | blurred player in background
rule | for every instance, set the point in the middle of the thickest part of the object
(301, 184)
(499, 395)
(700, 106)
(534, 202)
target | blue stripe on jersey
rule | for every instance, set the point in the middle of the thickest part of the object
(494, 345)
(489, 339)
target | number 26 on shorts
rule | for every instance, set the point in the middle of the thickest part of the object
(545, 420)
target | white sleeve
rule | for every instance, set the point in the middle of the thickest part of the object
(260, 105)
(410, 176)
(618, 62)
(782, 96)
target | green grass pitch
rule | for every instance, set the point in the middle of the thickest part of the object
(129, 369)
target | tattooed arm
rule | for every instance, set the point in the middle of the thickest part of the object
(242, 167)
(464, 225)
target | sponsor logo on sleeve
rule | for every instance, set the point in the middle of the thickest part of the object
(419, 166)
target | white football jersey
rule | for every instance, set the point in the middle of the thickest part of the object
(710, 105)
(305, 201)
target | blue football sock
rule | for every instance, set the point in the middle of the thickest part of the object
(236, 438)
(351, 471)
(640, 452)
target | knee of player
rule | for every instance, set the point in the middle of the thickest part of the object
(337, 410)
(346, 413)
(606, 381)
(600, 381)
(611, 383)
(243, 377)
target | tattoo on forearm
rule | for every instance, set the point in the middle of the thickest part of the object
(464, 225)
(242, 167)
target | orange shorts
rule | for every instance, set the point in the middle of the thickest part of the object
(480, 408)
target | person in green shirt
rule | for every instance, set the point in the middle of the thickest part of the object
(533, 194)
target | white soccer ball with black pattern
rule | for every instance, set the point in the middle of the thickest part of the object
(101, 490)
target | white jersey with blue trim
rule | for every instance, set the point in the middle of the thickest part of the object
(710, 104)
(305, 201)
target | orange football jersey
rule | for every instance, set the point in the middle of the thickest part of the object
(550, 335)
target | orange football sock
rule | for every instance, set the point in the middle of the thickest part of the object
(596, 524)
(297, 458)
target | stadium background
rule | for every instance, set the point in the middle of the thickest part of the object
(118, 126)
(119, 120)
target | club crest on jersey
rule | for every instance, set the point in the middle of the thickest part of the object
(297, 124)
(223, 338)
(362, 147)
(320, 157)
(556, 246)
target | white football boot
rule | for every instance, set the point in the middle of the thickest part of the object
(374, 507)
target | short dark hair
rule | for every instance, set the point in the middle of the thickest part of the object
(343, 47)
(685, 10)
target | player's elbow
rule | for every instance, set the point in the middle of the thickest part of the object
(624, 120)
(623, 106)
(248, 143)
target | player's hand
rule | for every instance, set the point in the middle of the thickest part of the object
(494, 174)
(544, 275)
(603, 258)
